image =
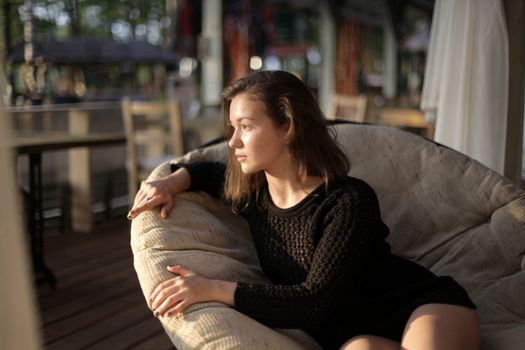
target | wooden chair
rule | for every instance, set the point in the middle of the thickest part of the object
(153, 134)
(347, 107)
(406, 118)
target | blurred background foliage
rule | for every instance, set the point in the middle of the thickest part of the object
(65, 19)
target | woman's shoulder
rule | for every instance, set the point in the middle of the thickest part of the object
(351, 185)
(349, 191)
(352, 195)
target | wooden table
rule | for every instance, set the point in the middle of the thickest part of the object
(406, 118)
(51, 141)
(34, 145)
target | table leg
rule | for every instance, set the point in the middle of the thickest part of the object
(36, 221)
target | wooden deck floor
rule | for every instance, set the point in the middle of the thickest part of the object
(98, 303)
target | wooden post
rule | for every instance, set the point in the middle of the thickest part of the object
(212, 80)
(327, 28)
(80, 175)
(515, 15)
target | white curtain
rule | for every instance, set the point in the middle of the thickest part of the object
(466, 79)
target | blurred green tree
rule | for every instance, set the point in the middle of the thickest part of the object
(64, 19)
(122, 21)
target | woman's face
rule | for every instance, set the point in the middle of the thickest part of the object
(257, 142)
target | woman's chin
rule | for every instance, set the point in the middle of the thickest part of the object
(247, 169)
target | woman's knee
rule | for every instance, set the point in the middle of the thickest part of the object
(442, 326)
(370, 342)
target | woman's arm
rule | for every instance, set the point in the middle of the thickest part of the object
(205, 176)
(160, 192)
(173, 296)
(198, 176)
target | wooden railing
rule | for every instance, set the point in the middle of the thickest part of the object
(77, 166)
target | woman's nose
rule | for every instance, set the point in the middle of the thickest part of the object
(235, 140)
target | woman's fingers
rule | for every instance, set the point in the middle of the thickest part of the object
(156, 193)
(176, 309)
(139, 208)
(162, 296)
(166, 209)
(173, 298)
(166, 288)
(179, 270)
(176, 294)
(166, 284)
(139, 200)
(149, 202)
(161, 292)
(141, 193)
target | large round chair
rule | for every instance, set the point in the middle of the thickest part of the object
(445, 211)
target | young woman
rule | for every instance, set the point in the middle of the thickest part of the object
(318, 234)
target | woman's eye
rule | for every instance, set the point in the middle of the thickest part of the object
(246, 127)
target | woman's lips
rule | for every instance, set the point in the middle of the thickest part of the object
(241, 158)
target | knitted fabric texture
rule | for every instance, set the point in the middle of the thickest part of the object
(310, 252)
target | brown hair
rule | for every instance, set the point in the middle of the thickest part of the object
(312, 144)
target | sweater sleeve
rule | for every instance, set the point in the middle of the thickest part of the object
(205, 176)
(353, 236)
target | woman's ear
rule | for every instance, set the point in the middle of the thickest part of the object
(288, 126)
(288, 129)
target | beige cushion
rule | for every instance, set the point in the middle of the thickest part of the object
(445, 211)
(202, 234)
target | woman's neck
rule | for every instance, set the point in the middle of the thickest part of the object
(285, 191)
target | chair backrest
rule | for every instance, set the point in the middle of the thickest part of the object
(153, 131)
(347, 107)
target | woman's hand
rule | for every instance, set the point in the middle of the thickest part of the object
(186, 288)
(160, 192)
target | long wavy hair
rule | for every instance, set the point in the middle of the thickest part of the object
(287, 101)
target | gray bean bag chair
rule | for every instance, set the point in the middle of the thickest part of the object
(445, 210)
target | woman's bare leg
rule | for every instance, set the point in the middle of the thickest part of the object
(370, 342)
(442, 327)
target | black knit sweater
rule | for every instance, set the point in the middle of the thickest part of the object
(331, 270)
